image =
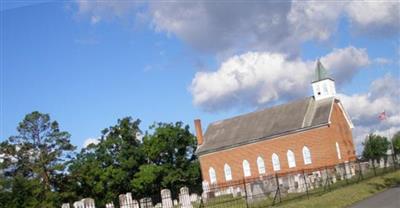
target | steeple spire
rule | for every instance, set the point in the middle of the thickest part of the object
(320, 72)
(323, 86)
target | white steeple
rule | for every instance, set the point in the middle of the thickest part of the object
(323, 86)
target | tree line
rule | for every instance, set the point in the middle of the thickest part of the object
(40, 167)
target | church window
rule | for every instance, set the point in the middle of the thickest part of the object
(213, 176)
(228, 172)
(339, 156)
(275, 162)
(291, 159)
(246, 168)
(306, 155)
(260, 165)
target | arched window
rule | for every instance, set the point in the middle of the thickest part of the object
(260, 165)
(339, 156)
(291, 159)
(246, 168)
(228, 172)
(306, 155)
(213, 176)
(275, 162)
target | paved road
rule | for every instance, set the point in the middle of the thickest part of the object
(387, 199)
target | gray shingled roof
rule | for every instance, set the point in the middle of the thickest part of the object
(266, 124)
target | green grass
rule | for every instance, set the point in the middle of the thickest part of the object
(345, 196)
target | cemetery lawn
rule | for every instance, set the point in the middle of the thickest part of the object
(345, 196)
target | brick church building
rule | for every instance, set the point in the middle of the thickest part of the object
(308, 133)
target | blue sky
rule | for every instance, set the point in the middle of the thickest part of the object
(89, 64)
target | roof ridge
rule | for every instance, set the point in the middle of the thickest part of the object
(261, 110)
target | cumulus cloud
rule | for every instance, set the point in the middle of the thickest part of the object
(89, 141)
(375, 18)
(259, 78)
(345, 63)
(233, 27)
(220, 26)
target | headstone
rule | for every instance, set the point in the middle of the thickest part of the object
(194, 197)
(128, 200)
(166, 198)
(301, 183)
(88, 203)
(248, 191)
(184, 198)
(79, 204)
(146, 203)
(206, 187)
(110, 205)
(381, 163)
(291, 184)
(352, 170)
(65, 205)
(122, 201)
(135, 204)
(348, 170)
(235, 192)
(175, 202)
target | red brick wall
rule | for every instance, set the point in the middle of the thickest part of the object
(321, 142)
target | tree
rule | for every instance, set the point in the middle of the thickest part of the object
(105, 170)
(171, 162)
(396, 143)
(33, 162)
(375, 148)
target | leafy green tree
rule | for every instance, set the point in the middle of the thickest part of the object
(375, 147)
(396, 142)
(105, 170)
(33, 162)
(171, 162)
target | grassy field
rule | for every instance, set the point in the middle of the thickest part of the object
(345, 196)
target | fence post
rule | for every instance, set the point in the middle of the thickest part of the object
(327, 182)
(394, 160)
(245, 191)
(345, 173)
(278, 190)
(305, 181)
(373, 166)
(360, 170)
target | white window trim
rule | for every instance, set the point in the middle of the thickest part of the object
(339, 154)
(306, 155)
(228, 172)
(276, 164)
(291, 159)
(213, 175)
(261, 165)
(246, 168)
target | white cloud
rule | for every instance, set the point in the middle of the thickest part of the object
(345, 62)
(376, 18)
(227, 28)
(224, 27)
(315, 20)
(382, 61)
(256, 79)
(89, 141)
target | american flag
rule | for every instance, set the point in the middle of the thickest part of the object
(382, 116)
